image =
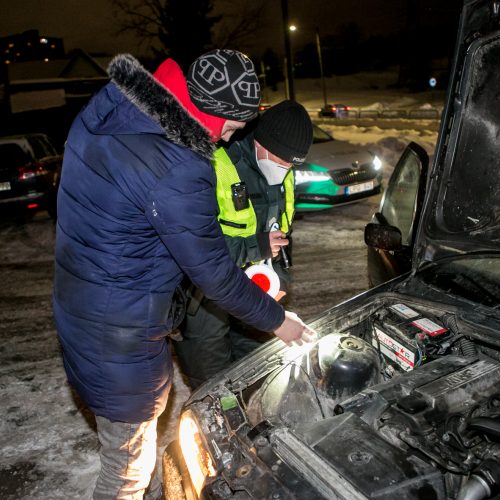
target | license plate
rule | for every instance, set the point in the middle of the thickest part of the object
(4, 186)
(359, 188)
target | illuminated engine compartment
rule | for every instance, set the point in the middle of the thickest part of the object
(399, 403)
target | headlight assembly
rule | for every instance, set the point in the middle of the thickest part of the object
(303, 176)
(196, 456)
(377, 163)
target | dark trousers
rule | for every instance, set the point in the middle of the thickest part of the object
(212, 340)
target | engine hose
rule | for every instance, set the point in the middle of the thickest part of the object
(474, 489)
(468, 348)
(483, 483)
(451, 323)
(489, 426)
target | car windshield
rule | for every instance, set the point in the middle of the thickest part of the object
(320, 135)
(475, 278)
(13, 156)
(41, 147)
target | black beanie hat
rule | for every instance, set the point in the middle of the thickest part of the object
(285, 130)
(223, 83)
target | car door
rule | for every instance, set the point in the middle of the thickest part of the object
(391, 233)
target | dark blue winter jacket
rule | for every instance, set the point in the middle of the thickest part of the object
(136, 210)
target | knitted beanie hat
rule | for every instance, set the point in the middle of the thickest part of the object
(286, 131)
(170, 75)
(223, 83)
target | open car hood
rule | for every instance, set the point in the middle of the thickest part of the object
(461, 212)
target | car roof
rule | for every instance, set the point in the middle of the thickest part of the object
(22, 141)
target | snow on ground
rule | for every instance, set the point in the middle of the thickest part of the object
(388, 144)
(380, 88)
(48, 445)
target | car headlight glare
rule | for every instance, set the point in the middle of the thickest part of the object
(197, 458)
(377, 163)
(303, 176)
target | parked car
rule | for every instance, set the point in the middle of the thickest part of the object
(30, 168)
(335, 172)
(335, 111)
(398, 396)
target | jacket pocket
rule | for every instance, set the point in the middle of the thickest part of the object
(232, 224)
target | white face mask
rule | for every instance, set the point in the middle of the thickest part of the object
(273, 172)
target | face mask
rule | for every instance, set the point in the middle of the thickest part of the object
(272, 171)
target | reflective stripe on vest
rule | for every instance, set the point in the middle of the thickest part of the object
(243, 222)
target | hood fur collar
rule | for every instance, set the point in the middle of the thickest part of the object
(140, 87)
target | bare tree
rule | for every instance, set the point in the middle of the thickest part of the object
(180, 29)
(184, 29)
(239, 23)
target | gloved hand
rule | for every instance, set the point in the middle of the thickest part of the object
(293, 329)
(277, 239)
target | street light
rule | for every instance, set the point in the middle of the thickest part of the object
(288, 53)
(293, 28)
(320, 58)
(289, 77)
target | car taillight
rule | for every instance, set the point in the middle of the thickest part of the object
(334, 108)
(32, 205)
(32, 170)
(348, 108)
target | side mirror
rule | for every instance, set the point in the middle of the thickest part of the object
(383, 237)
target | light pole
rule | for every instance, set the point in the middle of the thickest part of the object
(288, 52)
(289, 72)
(320, 57)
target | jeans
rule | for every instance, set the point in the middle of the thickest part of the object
(128, 457)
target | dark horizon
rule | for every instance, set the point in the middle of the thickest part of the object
(91, 26)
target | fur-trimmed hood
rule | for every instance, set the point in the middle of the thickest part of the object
(154, 100)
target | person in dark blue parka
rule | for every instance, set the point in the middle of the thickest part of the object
(137, 212)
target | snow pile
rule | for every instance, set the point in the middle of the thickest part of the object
(369, 91)
(388, 144)
(375, 106)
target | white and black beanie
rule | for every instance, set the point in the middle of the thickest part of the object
(223, 83)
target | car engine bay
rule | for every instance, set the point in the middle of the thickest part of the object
(397, 398)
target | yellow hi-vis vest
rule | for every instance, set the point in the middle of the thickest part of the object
(244, 222)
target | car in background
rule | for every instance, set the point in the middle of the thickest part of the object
(263, 106)
(30, 169)
(335, 111)
(398, 394)
(335, 172)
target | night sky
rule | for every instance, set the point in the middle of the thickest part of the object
(91, 25)
(85, 24)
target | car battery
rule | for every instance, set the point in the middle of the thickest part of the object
(401, 333)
